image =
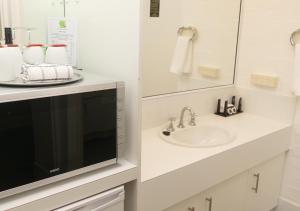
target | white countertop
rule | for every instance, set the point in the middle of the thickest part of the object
(72, 189)
(160, 157)
(90, 82)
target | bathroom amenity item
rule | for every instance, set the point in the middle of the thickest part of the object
(225, 109)
(219, 106)
(229, 109)
(57, 54)
(46, 72)
(240, 106)
(8, 36)
(34, 54)
(183, 56)
(233, 100)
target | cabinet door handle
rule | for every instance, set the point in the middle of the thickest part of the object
(257, 176)
(210, 202)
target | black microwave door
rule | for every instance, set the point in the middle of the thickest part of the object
(45, 137)
(100, 128)
(49, 123)
(17, 145)
(82, 132)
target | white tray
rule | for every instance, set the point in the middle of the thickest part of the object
(19, 82)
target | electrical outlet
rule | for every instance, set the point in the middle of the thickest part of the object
(265, 80)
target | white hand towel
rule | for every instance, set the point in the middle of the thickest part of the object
(183, 56)
(296, 78)
(46, 72)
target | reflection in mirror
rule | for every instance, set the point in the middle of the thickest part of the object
(172, 61)
(28, 18)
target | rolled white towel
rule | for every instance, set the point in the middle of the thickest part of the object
(46, 72)
(183, 56)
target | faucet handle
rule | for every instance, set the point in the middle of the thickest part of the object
(193, 119)
(171, 125)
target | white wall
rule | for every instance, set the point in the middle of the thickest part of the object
(108, 35)
(264, 47)
(202, 102)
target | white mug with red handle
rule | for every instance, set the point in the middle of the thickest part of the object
(7, 64)
(57, 54)
(34, 54)
(17, 58)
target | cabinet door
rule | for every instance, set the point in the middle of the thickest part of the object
(228, 196)
(255, 190)
(192, 204)
(264, 185)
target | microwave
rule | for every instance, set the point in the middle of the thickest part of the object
(59, 135)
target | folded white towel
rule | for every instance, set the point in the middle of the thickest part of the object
(46, 72)
(183, 56)
(296, 78)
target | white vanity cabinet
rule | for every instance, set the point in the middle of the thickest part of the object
(264, 185)
(228, 196)
(191, 204)
(257, 189)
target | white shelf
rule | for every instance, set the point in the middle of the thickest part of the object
(67, 191)
(90, 82)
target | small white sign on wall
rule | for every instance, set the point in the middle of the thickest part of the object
(64, 31)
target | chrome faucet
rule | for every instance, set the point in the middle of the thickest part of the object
(193, 117)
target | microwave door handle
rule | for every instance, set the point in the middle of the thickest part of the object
(108, 204)
(83, 207)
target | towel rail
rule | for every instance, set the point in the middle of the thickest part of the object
(292, 39)
(189, 28)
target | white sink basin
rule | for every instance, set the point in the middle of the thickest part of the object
(200, 136)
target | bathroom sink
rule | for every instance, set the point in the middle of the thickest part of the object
(200, 136)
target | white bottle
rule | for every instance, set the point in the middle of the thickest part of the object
(34, 54)
(7, 72)
(57, 54)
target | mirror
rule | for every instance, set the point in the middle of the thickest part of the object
(29, 18)
(166, 52)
